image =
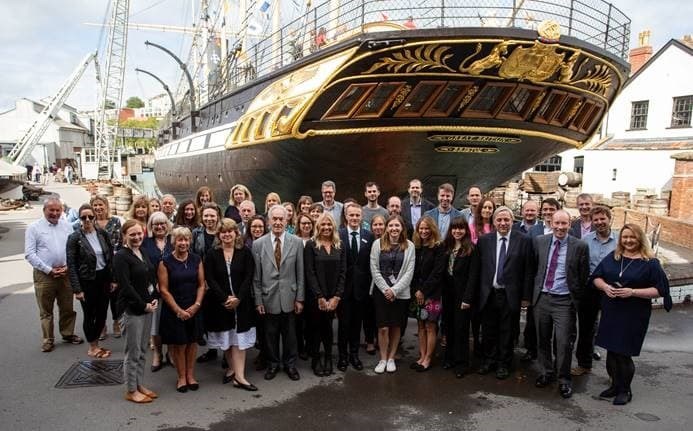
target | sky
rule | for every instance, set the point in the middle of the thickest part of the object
(43, 41)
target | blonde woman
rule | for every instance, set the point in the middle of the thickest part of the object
(237, 194)
(139, 210)
(324, 258)
(271, 200)
(392, 266)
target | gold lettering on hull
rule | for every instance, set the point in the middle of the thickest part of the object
(481, 139)
(466, 150)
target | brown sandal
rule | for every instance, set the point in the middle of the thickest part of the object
(100, 354)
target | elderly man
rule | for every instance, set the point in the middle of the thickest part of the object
(278, 287)
(505, 280)
(45, 249)
(328, 190)
(562, 263)
(247, 211)
(168, 207)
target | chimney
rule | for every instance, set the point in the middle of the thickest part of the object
(640, 55)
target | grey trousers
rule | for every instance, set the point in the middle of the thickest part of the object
(136, 330)
(555, 314)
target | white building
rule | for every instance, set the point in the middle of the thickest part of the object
(648, 122)
(157, 107)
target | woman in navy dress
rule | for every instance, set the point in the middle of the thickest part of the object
(629, 277)
(182, 286)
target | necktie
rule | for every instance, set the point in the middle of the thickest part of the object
(354, 246)
(551, 273)
(501, 261)
(277, 251)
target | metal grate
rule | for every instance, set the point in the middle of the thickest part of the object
(85, 374)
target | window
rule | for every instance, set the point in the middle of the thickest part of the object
(681, 114)
(578, 164)
(638, 115)
(549, 165)
(90, 155)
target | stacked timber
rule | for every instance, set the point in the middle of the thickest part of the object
(620, 199)
(540, 182)
(512, 195)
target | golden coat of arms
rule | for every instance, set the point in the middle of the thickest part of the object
(536, 63)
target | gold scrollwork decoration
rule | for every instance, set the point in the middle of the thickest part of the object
(597, 80)
(494, 59)
(537, 103)
(573, 111)
(422, 58)
(468, 97)
(401, 95)
(537, 63)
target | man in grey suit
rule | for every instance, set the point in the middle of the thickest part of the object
(561, 278)
(279, 291)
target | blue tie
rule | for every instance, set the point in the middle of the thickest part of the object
(501, 261)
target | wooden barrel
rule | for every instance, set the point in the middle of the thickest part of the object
(540, 182)
(105, 190)
(572, 179)
(642, 205)
(620, 199)
(570, 198)
(511, 197)
(123, 203)
(111, 204)
(659, 207)
(122, 191)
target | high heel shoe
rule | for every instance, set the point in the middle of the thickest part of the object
(248, 387)
(623, 398)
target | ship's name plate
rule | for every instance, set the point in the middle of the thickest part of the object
(476, 139)
(466, 149)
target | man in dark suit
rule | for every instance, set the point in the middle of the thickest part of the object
(414, 205)
(357, 242)
(543, 227)
(505, 280)
(278, 287)
(583, 224)
(444, 213)
(559, 284)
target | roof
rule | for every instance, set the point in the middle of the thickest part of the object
(685, 48)
(664, 144)
(67, 125)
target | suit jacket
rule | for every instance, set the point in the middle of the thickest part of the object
(520, 228)
(466, 213)
(454, 212)
(464, 278)
(517, 271)
(277, 289)
(426, 205)
(81, 258)
(537, 230)
(217, 318)
(577, 261)
(324, 279)
(428, 271)
(576, 228)
(358, 272)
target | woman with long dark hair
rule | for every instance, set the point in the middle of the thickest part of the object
(482, 222)
(458, 295)
(187, 216)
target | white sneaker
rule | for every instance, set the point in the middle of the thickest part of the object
(380, 368)
(391, 367)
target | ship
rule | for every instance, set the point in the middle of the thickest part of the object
(456, 91)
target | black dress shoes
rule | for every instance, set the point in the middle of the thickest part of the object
(248, 387)
(356, 362)
(209, 355)
(566, 390)
(609, 393)
(342, 364)
(271, 373)
(328, 366)
(528, 356)
(317, 367)
(292, 372)
(623, 398)
(543, 381)
(486, 368)
(502, 373)
(596, 356)
(447, 365)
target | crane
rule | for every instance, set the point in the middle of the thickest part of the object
(25, 145)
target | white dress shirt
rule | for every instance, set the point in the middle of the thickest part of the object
(45, 244)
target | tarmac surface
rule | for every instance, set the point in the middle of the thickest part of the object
(405, 400)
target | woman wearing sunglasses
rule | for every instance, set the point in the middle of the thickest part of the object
(89, 257)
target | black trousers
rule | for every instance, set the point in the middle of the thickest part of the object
(587, 312)
(621, 369)
(530, 333)
(447, 325)
(350, 316)
(498, 325)
(95, 304)
(301, 340)
(112, 299)
(280, 325)
(368, 316)
(320, 326)
(460, 338)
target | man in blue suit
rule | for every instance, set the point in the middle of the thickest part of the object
(444, 213)
(357, 242)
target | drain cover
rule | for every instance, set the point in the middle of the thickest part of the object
(84, 374)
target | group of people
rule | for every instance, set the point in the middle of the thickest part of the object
(182, 275)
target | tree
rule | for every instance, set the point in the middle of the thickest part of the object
(134, 102)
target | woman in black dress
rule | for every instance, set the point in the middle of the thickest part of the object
(89, 257)
(157, 244)
(182, 285)
(229, 311)
(203, 237)
(629, 277)
(137, 301)
(458, 294)
(370, 330)
(324, 258)
(238, 194)
(426, 288)
(392, 267)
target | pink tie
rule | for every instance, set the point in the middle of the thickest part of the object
(551, 273)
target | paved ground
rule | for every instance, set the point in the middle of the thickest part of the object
(435, 400)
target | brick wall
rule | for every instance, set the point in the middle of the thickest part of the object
(681, 205)
(673, 230)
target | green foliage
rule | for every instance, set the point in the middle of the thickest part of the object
(144, 123)
(134, 102)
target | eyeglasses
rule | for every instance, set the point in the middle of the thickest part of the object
(161, 223)
(86, 217)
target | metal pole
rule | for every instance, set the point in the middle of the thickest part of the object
(442, 13)
(168, 90)
(184, 68)
(570, 19)
(608, 22)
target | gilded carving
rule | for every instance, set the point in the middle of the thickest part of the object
(422, 58)
(573, 111)
(537, 103)
(549, 30)
(566, 68)
(468, 97)
(495, 58)
(536, 63)
(597, 80)
(401, 95)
